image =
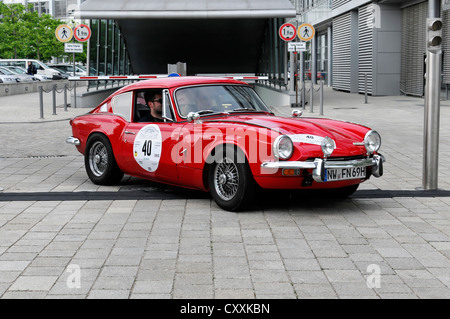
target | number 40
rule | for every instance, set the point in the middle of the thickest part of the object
(147, 148)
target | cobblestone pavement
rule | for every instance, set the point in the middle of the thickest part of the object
(389, 240)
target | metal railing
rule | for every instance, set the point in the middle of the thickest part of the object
(54, 90)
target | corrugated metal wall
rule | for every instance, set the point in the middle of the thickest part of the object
(446, 46)
(365, 49)
(413, 49)
(342, 52)
(337, 3)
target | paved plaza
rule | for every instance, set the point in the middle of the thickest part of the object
(61, 236)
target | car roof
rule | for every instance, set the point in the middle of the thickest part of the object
(177, 81)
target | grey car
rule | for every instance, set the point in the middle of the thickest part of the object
(23, 77)
(8, 79)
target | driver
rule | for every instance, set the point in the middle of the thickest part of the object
(154, 102)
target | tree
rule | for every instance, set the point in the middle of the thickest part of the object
(25, 34)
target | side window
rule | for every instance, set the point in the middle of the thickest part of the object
(104, 108)
(38, 66)
(141, 109)
(167, 107)
(122, 105)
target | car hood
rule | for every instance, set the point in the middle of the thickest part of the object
(343, 133)
(334, 129)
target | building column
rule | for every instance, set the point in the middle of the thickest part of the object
(329, 57)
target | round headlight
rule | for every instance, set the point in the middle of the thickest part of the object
(283, 147)
(328, 145)
(372, 141)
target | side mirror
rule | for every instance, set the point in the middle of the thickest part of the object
(297, 113)
(192, 116)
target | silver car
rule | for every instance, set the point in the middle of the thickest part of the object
(23, 77)
(8, 79)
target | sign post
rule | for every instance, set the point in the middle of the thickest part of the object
(288, 32)
(305, 33)
(81, 33)
(432, 96)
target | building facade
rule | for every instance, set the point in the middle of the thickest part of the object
(58, 9)
(380, 44)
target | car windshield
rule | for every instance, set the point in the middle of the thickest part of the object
(6, 71)
(218, 99)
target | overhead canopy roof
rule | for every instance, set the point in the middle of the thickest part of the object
(185, 9)
(210, 36)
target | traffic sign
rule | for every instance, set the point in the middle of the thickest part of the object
(287, 32)
(82, 32)
(306, 32)
(64, 33)
(296, 46)
(73, 47)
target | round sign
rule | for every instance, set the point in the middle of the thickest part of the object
(64, 33)
(287, 32)
(147, 147)
(306, 32)
(82, 32)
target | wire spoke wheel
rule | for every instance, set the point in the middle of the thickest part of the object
(226, 179)
(230, 180)
(98, 159)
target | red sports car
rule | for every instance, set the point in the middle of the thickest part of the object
(217, 135)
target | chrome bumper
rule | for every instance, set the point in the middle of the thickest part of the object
(72, 140)
(320, 165)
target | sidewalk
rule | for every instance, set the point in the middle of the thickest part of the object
(389, 246)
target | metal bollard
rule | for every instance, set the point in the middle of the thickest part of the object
(41, 101)
(321, 97)
(311, 98)
(303, 95)
(75, 95)
(365, 88)
(54, 99)
(65, 97)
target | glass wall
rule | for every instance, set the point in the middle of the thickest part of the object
(107, 52)
(273, 62)
(322, 57)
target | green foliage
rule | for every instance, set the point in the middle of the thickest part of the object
(25, 34)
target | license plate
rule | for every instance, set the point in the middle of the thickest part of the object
(340, 174)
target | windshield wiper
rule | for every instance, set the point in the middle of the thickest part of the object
(244, 109)
(203, 112)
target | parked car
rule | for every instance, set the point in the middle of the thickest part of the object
(20, 70)
(217, 135)
(24, 78)
(68, 69)
(41, 67)
(8, 79)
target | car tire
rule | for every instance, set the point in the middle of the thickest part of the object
(99, 161)
(231, 182)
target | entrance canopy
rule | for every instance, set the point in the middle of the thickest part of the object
(210, 36)
(186, 9)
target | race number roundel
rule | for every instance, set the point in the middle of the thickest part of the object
(287, 32)
(147, 147)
